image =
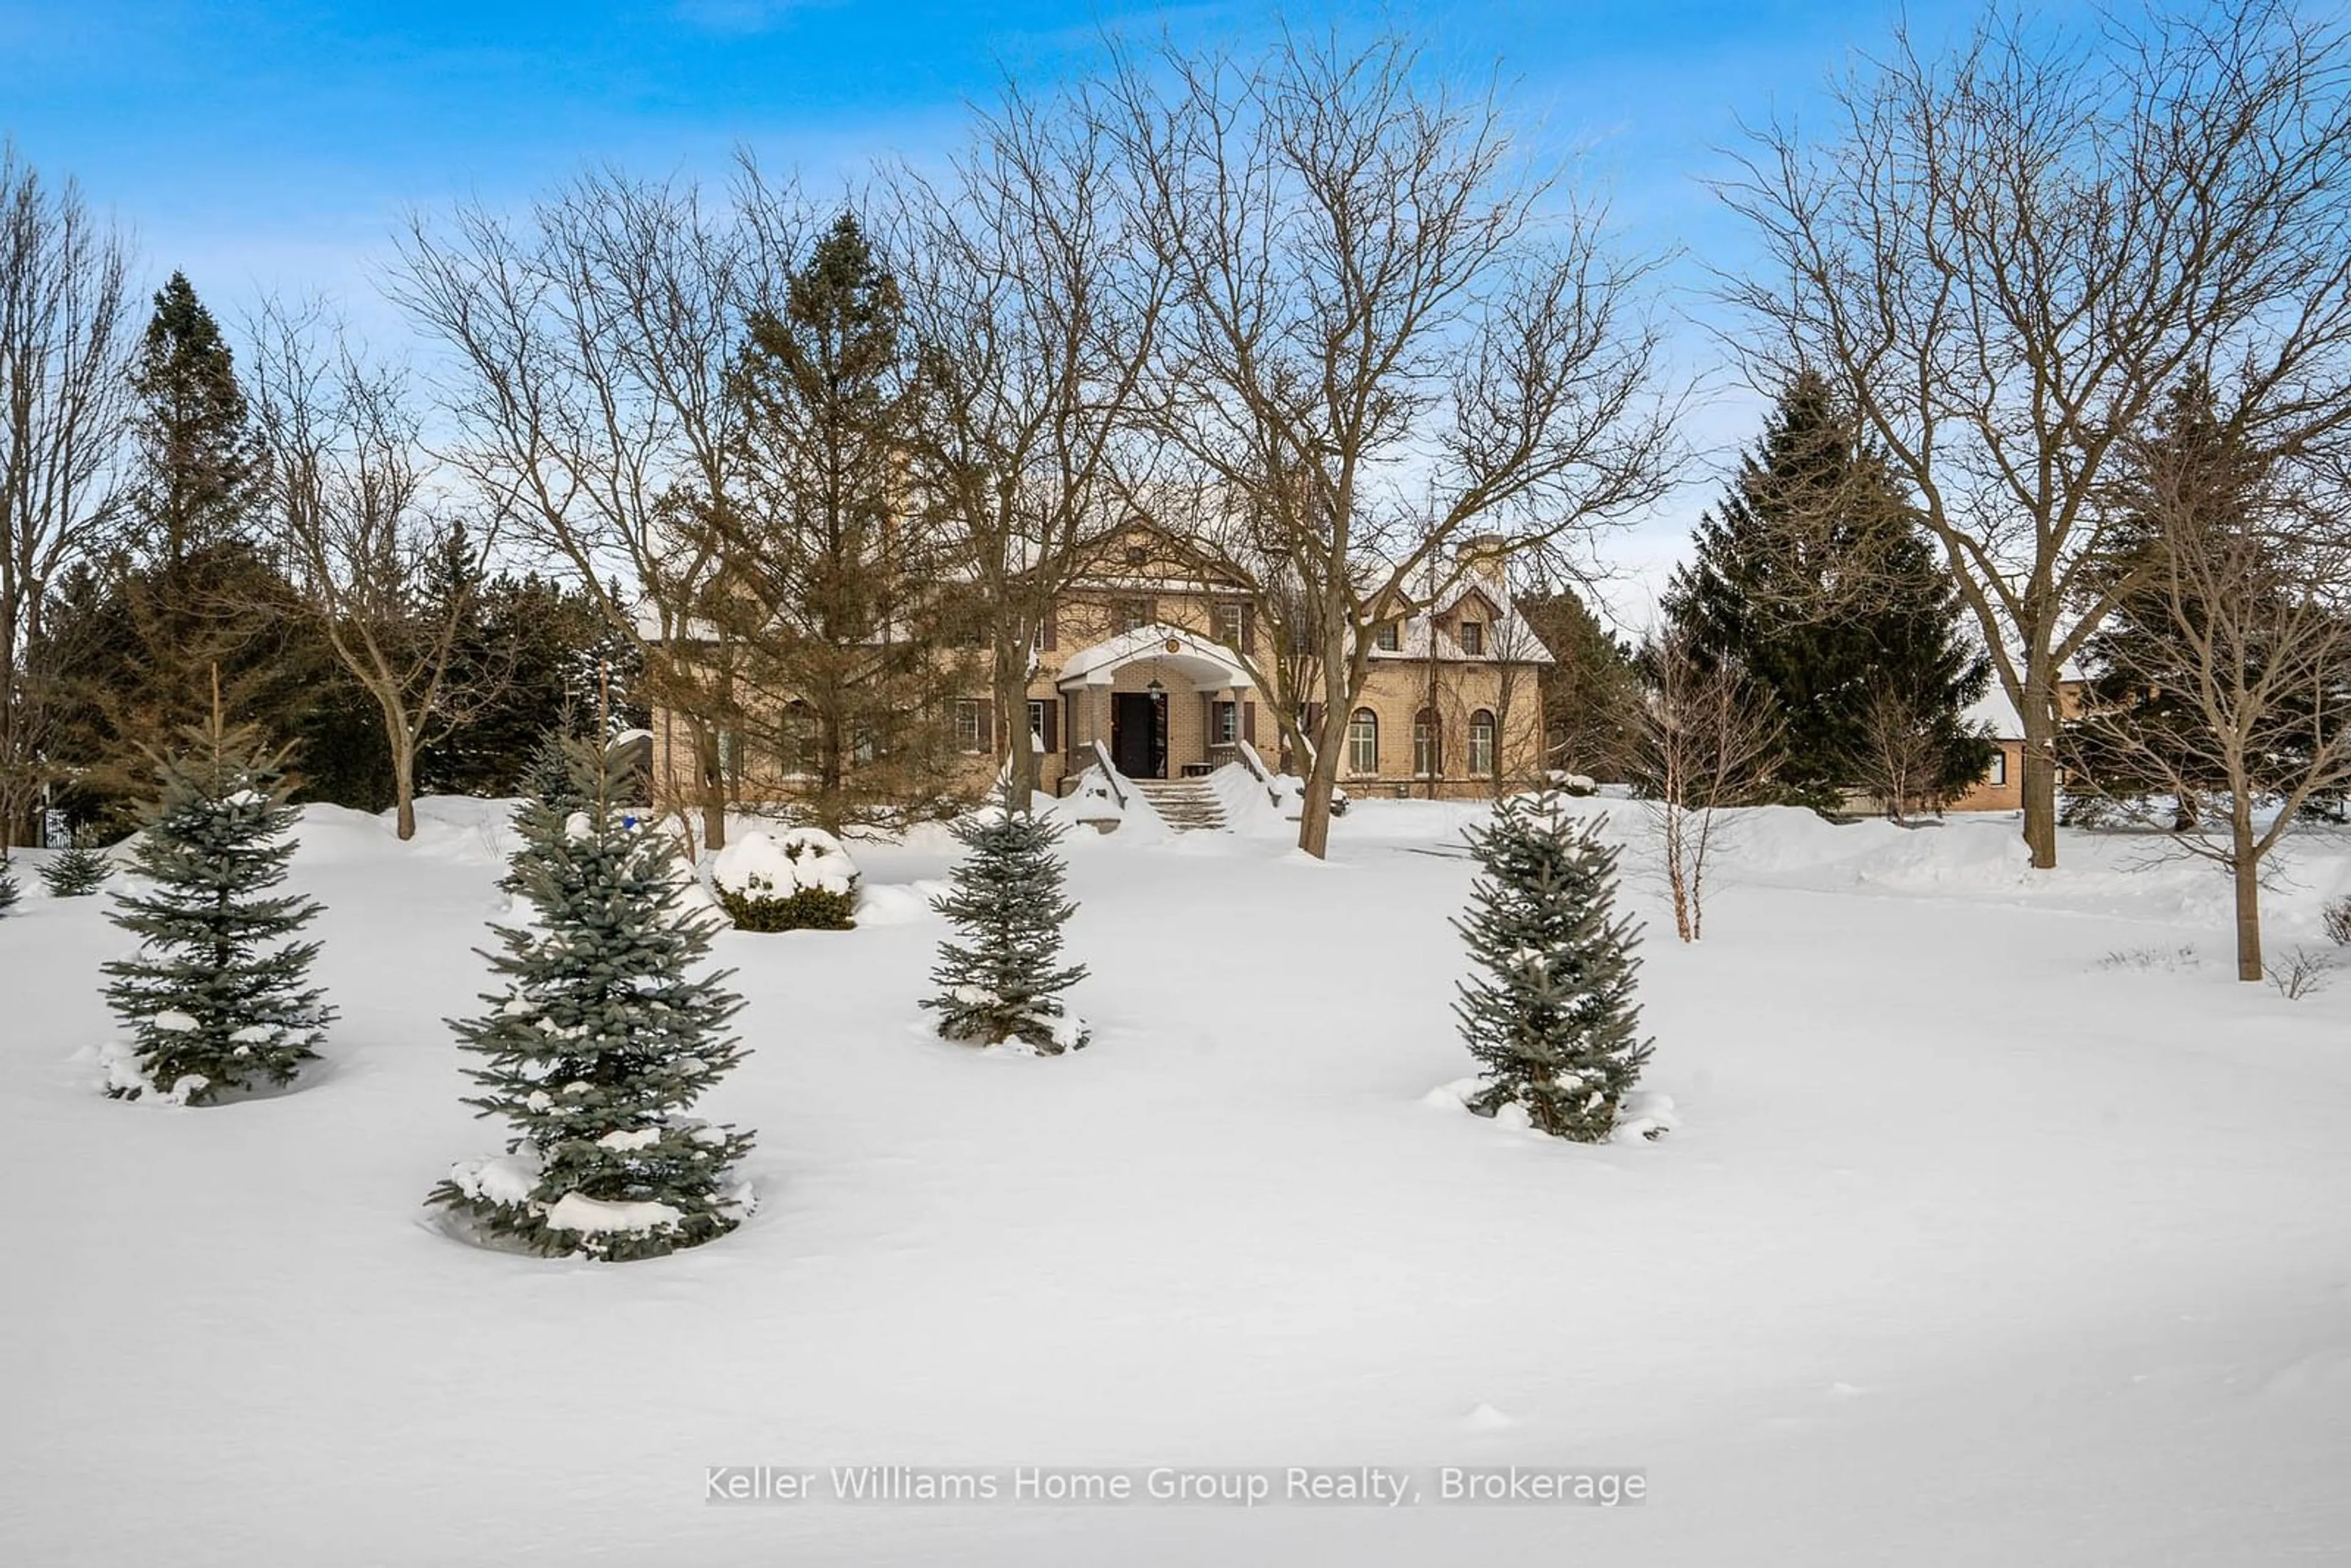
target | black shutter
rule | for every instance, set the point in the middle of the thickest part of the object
(1053, 724)
(1248, 630)
(1248, 722)
(986, 725)
(1052, 630)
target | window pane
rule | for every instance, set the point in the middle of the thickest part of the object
(1481, 742)
(1364, 742)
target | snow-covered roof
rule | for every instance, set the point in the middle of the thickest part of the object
(1209, 666)
(1509, 638)
(1994, 712)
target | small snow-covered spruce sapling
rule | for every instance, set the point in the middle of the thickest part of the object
(1551, 1015)
(76, 872)
(548, 779)
(1003, 980)
(9, 890)
(217, 998)
(598, 1042)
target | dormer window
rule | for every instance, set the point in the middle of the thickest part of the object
(1473, 637)
(1138, 555)
(1385, 638)
(1133, 615)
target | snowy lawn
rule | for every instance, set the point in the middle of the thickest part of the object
(1973, 1244)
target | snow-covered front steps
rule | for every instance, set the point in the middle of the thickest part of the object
(1186, 805)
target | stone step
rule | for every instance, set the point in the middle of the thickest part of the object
(1186, 805)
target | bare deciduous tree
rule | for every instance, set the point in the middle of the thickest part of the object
(1387, 331)
(1036, 310)
(1706, 738)
(592, 343)
(2003, 256)
(2245, 618)
(350, 509)
(66, 336)
(1901, 758)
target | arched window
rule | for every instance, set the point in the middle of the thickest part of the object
(1364, 742)
(1481, 743)
(1426, 761)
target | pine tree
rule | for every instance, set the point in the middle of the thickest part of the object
(1551, 1020)
(204, 466)
(1810, 579)
(823, 592)
(77, 873)
(9, 890)
(597, 1044)
(2142, 731)
(1591, 689)
(1006, 896)
(215, 998)
(551, 779)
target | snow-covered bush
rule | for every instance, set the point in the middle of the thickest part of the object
(598, 1043)
(76, 872)
(798, 880)
(1551, 1018)
(215, 999)
(2336, 918)
(1001, 981)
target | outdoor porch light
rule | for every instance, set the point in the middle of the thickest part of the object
(1157, 691)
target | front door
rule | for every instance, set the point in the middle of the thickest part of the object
(1135, 742)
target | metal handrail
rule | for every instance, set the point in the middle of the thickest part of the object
(1258, 769)
(1109, 773)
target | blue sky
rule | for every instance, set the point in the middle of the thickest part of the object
(272, 147)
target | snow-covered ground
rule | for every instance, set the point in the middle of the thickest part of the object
(2001, 1225)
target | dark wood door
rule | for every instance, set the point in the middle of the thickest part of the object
(1135, 744)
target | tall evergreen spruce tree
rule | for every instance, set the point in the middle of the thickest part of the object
(203, 465)
(1551, 1020)
(551, 778)
(215, 998)
(1811, 578)
(829, 587)
(77, 873)
(188, 597)
(1002, 981)
(598, 1042)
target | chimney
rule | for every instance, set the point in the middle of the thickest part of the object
(1483, 559)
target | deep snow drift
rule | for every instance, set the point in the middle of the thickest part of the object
(1998, 1225)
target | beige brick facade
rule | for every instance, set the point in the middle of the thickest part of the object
(1445, 718)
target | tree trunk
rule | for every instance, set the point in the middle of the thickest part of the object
(1012, 702)
(1314, 817)
(2039, 772)
(403, 779)
(713, 787)
(2247, 874)
(830, 768)
(1677, 873)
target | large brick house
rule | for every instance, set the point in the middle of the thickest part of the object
(1147, 663)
